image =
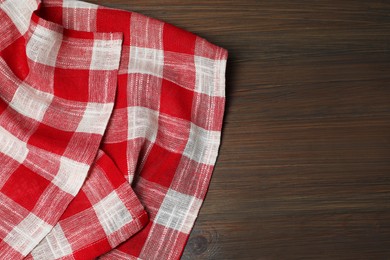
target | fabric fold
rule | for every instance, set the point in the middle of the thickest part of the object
(110, 125)
(54, 112)
(104, 213)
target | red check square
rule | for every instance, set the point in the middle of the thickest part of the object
(44, 135)
(160, 167)
(175, 100)
(71, 84)
(25, 187)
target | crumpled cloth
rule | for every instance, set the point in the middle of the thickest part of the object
(110, 125)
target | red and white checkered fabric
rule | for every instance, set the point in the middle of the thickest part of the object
(110, 124)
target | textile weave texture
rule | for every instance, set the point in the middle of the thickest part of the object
(110, 125)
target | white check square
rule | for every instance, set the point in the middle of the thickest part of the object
(178, 211)
(26, 235)
(112, 213)
(43, 46)
(210, 76)
(202, 145)
(53, 246)
(106, 55)
(31, 102)
(142, 122)
(146, 60)
(71, 175)
(95, 118)
(12, 146)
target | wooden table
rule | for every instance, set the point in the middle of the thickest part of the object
(304, 166)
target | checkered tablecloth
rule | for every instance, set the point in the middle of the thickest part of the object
(110, 125)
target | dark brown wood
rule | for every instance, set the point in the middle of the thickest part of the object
(304, 167)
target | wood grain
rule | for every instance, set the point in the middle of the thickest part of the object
(304, 166)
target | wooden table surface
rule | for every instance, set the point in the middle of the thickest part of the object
(304, 166)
